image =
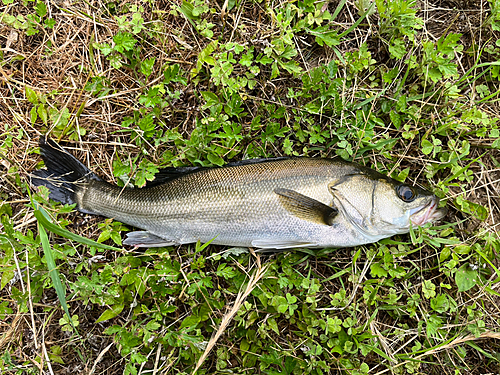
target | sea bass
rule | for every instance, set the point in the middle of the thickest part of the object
(277, 203)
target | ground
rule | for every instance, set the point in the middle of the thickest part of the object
(409, 88)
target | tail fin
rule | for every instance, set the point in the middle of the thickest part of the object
(63, 172)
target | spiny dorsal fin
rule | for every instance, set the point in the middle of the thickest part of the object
(170, 173)
(306, 208)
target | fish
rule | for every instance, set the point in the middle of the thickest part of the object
(277, 203)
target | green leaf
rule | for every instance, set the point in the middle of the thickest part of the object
(50, 23)
(147, 66)
(234, 251)
(115, 236)
(427, 147)
(187, 9)
(434, 322)
(31, 95)
(190, 322)
(204, 57)
(215, 159)
(403, 174)
(273, 325)
(445, 254)
(152, 326)
(395, 118)
(124, 42)
(41, 8)
(434, 74)
(225, 271)
(380, 353)
(130, 369)
(265, 60)
(110, 313)
(42, 112)
(146, 172)
(466, 278)
(7, 276)
(33, 115)
(274, 71)
(440, 303)
(462, 249)
(104, 236)
(326, 36)
(333, 325)
(448, 70)
(282, 304)
(55, 354)
(429, 289)
(290, 298)
(291, 67)
(210, 98)
(478, 211)
(105, 48)
(397, 49)
(377, 270)
(289, 52)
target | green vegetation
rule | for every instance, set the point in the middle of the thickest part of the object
(412, 92)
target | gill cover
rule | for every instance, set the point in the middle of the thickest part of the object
(378, 205)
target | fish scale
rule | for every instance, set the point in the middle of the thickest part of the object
(272, 203)
(250, 203)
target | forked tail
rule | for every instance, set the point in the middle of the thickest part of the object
(63, 173)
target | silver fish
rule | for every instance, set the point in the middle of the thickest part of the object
(266, 203)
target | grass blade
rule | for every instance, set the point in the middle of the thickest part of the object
(44, 219)
(54, 274)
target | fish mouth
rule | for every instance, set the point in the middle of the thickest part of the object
(428, 213)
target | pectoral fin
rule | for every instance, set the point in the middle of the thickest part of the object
(306, 208)
(146, 239)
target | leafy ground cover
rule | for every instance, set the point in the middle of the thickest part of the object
(409, 88)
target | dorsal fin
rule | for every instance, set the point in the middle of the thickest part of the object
(171, 173)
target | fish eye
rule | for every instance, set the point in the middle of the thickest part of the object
(406, 193)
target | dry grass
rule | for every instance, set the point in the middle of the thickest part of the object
(228, 317)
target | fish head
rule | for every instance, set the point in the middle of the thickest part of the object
(379, 206)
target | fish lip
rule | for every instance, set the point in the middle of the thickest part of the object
(430, 212)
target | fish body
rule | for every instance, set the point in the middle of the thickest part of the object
(271, 203)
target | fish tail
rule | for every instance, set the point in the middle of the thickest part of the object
(64, 175)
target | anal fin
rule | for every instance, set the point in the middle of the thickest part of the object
(146, 239)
